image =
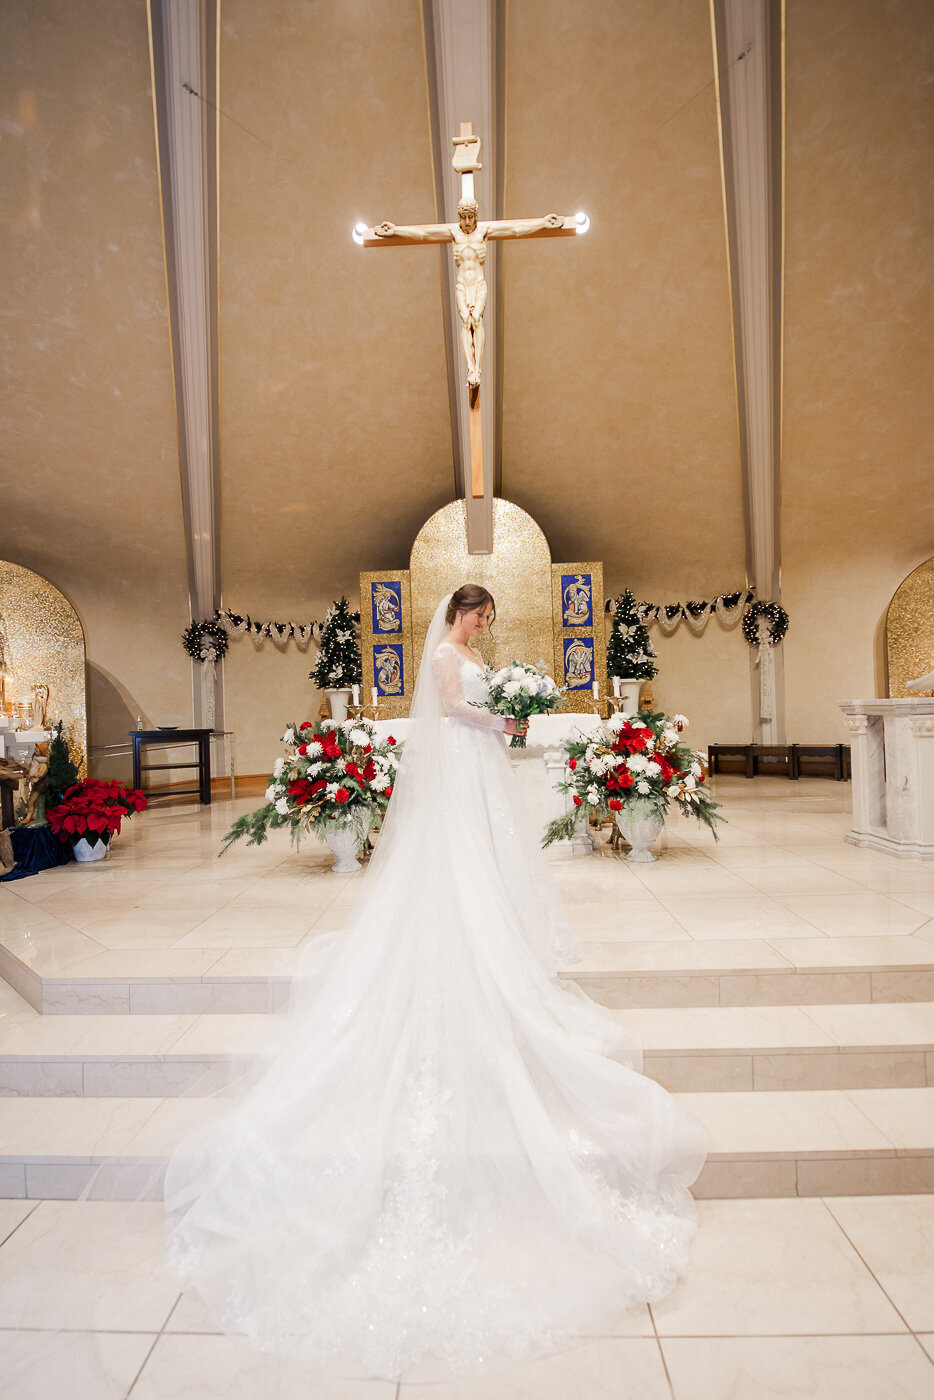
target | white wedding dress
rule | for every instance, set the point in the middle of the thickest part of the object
(453, 1156)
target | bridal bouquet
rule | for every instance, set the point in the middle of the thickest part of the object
(333, 775)
(519, 691)
(634, 761)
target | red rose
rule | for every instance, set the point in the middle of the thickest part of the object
(303, 748)
(391, 742)
(351, 768)
(615, 804)
(577, 801)
(369, 772)
(332, 751)
(624, 779)
(306, 724)
(388, 792)
(342, 795)
(572, 764)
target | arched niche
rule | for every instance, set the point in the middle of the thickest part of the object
(42, 643)
(909, 631)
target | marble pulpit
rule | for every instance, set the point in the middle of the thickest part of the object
(892, 749)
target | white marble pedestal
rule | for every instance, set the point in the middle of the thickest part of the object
(538, 767)
(892, 746)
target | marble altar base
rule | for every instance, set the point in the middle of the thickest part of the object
(892, 748)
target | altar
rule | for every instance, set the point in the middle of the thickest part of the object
(892, 750)
(539, 767)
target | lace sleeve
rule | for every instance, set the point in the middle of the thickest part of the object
(446, 664)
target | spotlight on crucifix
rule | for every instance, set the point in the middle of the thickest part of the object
(469, 235)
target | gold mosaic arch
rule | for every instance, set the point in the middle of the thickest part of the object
(909, 631)
(532, 622)
(43, 642)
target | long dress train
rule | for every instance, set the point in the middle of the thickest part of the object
(453, 1154)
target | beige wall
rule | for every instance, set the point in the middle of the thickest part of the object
(91, 487)
(858, 414)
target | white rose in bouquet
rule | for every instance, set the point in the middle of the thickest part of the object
(512, 688)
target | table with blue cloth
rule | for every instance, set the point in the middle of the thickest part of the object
(35, 848)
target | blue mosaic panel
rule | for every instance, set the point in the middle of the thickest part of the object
(578, 663)
(577, 600)
(386, 605)
(388, 673)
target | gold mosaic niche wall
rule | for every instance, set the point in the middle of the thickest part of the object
(543, 610)
(909, 632)
(43, 644)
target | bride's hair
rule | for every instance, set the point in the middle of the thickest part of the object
(470, 597)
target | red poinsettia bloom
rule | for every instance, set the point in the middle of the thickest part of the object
(301, 790)
(318, 786)
(668, 771)
(577, 801)
(342, 795)
(572, 764)
(615, 805)
(631, 740)
(94, 808)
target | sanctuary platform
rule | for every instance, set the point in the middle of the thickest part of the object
(782, 982)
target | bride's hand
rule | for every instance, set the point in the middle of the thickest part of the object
(517, 726)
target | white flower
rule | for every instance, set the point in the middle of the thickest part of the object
(359, 737)
(673, 790)
(277, 767)
(643, 787)
(696, 770)
(282, 806)
(313, 768)
(617, 721)
(690, 782)
(347, 724)
(530, 685)
(593, 795)
(652, 769)
(289, 736)
(680, 721)
(511, 688)
(271, 793)
(380, 782)
(518, 673)
(313, 745)
(546, 686)
(500, 677)
(637, 763)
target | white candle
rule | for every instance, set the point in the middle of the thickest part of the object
(596, 690)
(375, 695)
(616, 685)
(356, 694)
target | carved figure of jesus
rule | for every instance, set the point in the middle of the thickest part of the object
(469, 237)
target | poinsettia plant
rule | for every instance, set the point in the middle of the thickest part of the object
(94, 810)
(634, 760)
(332, 774)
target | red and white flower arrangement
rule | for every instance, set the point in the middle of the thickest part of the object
(94, 810)
(634, 761)
(331, 775)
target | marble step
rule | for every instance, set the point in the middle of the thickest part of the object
(682, 972)
(772, 1048)
(787, 1143)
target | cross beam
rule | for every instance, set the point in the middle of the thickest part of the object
(469, 237)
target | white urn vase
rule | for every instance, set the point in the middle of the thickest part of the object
(629, 690)
(84, 851)
(640, 826)
(338, 701)
(346, 842)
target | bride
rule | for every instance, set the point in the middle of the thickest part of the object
(453, 1156)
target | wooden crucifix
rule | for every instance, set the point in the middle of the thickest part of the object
(469, 237)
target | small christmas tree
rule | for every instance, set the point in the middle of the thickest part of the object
(63, 771)
(339, 662)
(629, 653)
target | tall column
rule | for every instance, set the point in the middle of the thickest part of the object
(748, 55)
(183, 37)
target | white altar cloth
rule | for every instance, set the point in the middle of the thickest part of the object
(538, 768)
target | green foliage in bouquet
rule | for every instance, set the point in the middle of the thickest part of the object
(629, 652)
(636, 761)
(62, 771)
(339, 662)
(331, 775)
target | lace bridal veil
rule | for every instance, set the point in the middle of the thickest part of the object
(451, 1157)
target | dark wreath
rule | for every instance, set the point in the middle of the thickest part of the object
(778, 622)
(205, 641)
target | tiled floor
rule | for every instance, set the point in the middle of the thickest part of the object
(781, 952)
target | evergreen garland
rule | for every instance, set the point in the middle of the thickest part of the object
(778, 622)
(629, 652)
(62, 771)
(339, 661)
